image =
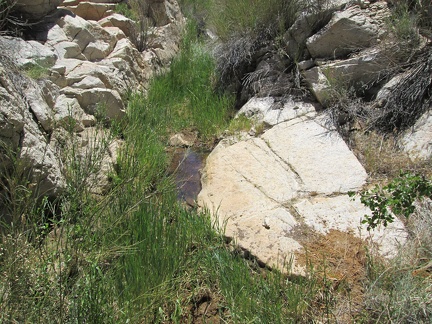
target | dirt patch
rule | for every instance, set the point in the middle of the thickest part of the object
(206, 309)
(338, 261)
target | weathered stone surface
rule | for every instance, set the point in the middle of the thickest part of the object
(13, 107)
(348, 31)
(27, 53)
(116, 32)
(417, 141)
(271, 113)
(91, 10)
(39, 106)
(116, 20)
(337, 169)
(55, 35)
(359, 72)
(70, 116)
(98, 101)
(98, 50)
(95, 42)
(36, 9)
(89, 82)
(164, 12)
(19, 128)
(297, 174)
(65, 50)
(305, 26)
(46, 168)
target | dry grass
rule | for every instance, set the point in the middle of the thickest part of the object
(382, 157)
(400, 290)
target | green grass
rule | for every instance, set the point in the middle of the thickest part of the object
(228, 18)
(135, 255)
(36, 71)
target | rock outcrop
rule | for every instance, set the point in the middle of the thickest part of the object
(90, 63)
(271, 191)
(294, 178)
(357, 32)
(25, 119)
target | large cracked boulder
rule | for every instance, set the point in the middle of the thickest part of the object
(294, 178)
(348, 31)
(22, 102)
(359, 73)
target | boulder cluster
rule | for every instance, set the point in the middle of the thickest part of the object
(270, 191)
(86, 53)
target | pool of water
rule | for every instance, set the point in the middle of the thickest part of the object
(185, 166)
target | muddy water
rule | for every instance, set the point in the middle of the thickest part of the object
(185, 166)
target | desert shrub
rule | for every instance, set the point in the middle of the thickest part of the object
(126, 10)
(409, 98)
(403, 25)
(419, 10)
(397, 198)
(382, 157)
(248, 17)
(138, 11)
(250, 29)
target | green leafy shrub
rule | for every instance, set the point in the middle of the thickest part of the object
(396, 198)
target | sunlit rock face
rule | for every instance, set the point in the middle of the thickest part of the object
(263, 190)
(88, 62)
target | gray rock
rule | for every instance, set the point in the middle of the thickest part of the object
(417, 141)
(70, 115)
(84, 33)
(27, 53)
(91, 10)
(348, 31)
(22, 102)
(359, 72)
(98, 102)
(65, 50)
(127, 25)
(271, 113)
(39, 106)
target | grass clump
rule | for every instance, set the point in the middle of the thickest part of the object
(36, 71)
(400, 290)
(185, 96)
